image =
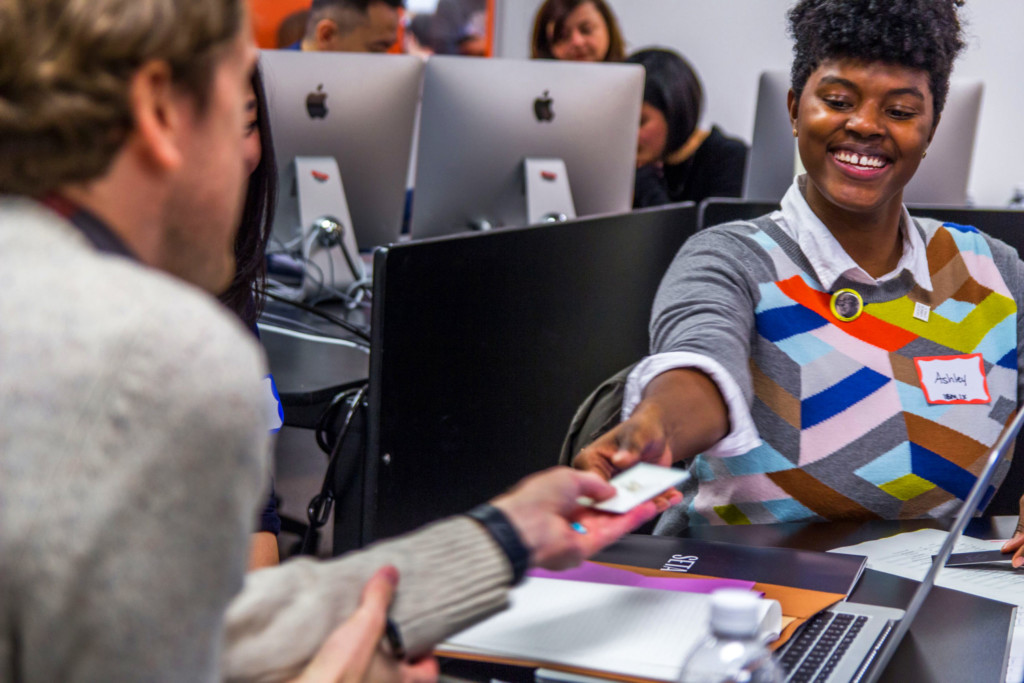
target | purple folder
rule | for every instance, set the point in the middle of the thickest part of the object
(597, 573)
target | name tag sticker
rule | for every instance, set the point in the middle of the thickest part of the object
(953, 379)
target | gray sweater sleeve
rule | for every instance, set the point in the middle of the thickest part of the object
(706, 300)
(131, 463)
(451, 575)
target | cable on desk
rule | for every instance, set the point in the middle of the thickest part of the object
(326, 417)
(356, 293)
(319, 509)
(340, 322)
(353, 294)
(297, 326)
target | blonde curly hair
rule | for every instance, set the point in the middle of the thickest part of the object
(65, 71)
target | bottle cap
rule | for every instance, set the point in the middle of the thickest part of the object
(734, 612)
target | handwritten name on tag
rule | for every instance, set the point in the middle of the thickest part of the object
(953, 379)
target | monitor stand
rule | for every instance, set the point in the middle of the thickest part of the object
(329, 246)
(548, 197)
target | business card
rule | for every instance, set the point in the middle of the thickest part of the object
(638, 484)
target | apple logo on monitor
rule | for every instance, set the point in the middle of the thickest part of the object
(542, 108)
(316, 103)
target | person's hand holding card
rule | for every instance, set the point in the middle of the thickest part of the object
(557, 529)
(638, 484)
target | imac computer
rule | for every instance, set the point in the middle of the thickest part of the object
(941, 179)
(771, 163)
(342, 125)
(510, 143)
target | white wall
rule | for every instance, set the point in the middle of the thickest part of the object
(730, 42)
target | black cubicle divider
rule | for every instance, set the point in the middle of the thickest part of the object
(1004, 224)
(718, 210)
(483, 345)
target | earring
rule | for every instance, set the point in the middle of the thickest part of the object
(925, 154)
(794, 132)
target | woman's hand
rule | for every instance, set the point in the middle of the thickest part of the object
(1016, 544)
(641, 438)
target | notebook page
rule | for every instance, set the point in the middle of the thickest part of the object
(618, 629)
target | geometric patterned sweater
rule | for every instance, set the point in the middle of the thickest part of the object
(846, 432)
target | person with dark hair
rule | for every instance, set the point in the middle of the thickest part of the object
(678, 161)
(419, 35)
(245, 295)
(457, 27)
(292, 29)
(577, 30)
(352, 26)
(787, 407)
(134, 445)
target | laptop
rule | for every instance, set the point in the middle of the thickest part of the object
(855, 642)
(942, 178)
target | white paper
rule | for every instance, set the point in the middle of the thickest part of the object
(619, 629)
(910, 555)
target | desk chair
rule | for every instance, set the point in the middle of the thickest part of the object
(718, 210)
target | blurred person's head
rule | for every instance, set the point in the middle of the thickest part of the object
(472, 38)
(419, 35)
(133, 111)
(245, 295)
(292, 28)
(577, 30)
(672, 104)
(352, 25)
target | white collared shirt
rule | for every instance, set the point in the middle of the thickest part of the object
(829, 261)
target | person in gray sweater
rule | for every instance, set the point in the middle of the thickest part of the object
(133, 448)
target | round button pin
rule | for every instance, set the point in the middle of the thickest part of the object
(846, 305)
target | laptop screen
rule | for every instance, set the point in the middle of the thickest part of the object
(978, 494)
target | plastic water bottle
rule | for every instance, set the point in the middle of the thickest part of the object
(733, 652)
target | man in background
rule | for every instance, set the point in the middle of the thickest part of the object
(352, 26)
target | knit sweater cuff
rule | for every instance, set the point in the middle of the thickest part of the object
(506, 536)
(456, 599)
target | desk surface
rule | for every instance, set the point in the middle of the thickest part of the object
(308, 353)
(826, 536)
(938, 647)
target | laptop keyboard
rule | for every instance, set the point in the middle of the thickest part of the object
(816, 651)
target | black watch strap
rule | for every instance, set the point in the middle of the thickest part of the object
(506, 536)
